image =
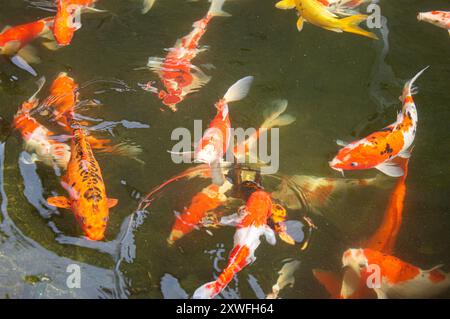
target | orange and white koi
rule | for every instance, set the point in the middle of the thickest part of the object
(207, 200)
(380, 148)
(216, 139)
(15, 42)
(437, 18)
(398, 279)
(68, 18)
(251, 224)
(37, 138)
(178, 75)
(84, 183)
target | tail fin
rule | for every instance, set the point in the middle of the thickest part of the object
(207, 291)
(147, 5)
(351, 24)
(409, 89)
(274, 117)
(285, 4)
(238, 90)
(216, 9)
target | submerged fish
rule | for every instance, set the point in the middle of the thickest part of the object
(207, 200)
(216, 139)
(68, 19)
(37, 138)
(380, 148)
(251, 224)
(178, 75)
(318, 13)
(438, 18)
(286, 278)
(84, 184)
(398, 279)
(15, 42)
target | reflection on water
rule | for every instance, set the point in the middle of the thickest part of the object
(338, 87)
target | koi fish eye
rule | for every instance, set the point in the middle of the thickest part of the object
(353, 164)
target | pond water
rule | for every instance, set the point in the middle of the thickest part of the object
(339, 86)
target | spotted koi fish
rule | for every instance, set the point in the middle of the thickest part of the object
(37, 138)
(380, 148)
(399, 279)
(15, 42)
(178, 75)
(68, 19)
(251, 224)
(84, 184)
(438, 18)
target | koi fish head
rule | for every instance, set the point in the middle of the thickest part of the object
(346, 159)
(66, 22)
(354, 259)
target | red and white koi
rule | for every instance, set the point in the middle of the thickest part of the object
(251, 224)
(178, 75)
(437, 18)
(380, 148)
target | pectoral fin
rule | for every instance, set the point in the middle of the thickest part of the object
(112, 202)
(300, 23)
(59, 201)
(18, 61)
(391, 169)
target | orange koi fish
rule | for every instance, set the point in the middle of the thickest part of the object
(84, 183)
(68, 20)
(37, 138)
(216, 139)
(14, 42)
(210, 198)
(437, 18)
(380, 148)
(251, 224)
(179, 77)
(385, 237)
(398, 279)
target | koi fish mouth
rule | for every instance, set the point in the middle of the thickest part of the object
(333, 164)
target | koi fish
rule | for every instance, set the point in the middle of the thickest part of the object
(216, 139)
(63, 99)
(286, 278)
(37, 138)
(178, 75)
(274, 117)
(380, 148)
(438, 18)
(251, 224)
(84, 183)
(315, 192)
(15, 42)
(385, 237)
(210, 198)
(398, 279)
(68, 18)
(318, 14)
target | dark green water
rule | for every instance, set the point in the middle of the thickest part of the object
(338, 86)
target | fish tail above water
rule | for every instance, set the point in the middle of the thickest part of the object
(351, 24)
(215, 9)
